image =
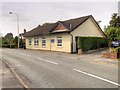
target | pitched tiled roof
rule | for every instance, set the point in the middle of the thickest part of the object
(74, 22)
(48, 28)
(40, 30)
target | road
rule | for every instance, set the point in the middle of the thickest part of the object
(45, 69)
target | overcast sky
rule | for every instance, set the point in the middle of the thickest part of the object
(31, 14)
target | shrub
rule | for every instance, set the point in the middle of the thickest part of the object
(91, 43)
(12, 46)
(118, 52)
(117, 49)
(113, 50)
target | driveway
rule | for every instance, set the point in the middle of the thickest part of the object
(46, 69)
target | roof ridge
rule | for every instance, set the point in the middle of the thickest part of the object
(45, 29)
(76, 18)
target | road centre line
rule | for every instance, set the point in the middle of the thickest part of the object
(85, 73)
(25, 55)
(94, 76)
(28, 55)
(47, 61)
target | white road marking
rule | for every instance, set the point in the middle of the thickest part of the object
(100, 78)
(18, 65)
(48, 61)
(28, 55)
(24, 54)
(41, 59)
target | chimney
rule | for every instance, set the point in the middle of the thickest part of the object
(24, 31)
(39, 25)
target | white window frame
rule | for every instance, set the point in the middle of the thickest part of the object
(30, 41)
(59, 41)
(36, 41)
(43, 42)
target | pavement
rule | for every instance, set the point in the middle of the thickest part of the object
(8, 79)
(97, 57)
(46, 69)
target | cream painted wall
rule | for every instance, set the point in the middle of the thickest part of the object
(66, 43)
(88, 28)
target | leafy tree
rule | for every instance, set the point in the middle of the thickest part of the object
(8, 36)
(7, 40)
(21, 42)
(1, 41)
(115, 20)
(112, 31)
(16, 41)
(10, 42)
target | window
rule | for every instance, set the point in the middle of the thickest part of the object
(30, 41)
(43, 42)
(36, 41)
(59, 41)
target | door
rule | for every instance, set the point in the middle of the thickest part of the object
(76, 38)
(52, 44)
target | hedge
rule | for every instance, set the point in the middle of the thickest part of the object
(118, 52)
(91, 43)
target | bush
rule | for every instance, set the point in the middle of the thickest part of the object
(118, 52)
(12, 46)
(91, 43)
(117, 49)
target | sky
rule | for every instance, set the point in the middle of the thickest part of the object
(32, 14)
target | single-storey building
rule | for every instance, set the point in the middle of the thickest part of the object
(62, 35)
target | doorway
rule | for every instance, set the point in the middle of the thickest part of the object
(76, 38)
(52, 44)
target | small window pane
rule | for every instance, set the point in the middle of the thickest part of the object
(30, 41)
(36, 41)
(43, 42)
(59, 41)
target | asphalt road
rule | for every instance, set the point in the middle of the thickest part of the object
(45, 69)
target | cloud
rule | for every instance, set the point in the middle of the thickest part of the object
(34, 13)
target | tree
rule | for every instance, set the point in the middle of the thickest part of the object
(16, 41)
(10, 42)
(21, 42)
(112, 31)
(115, 20)
(8, 36)
(7, 40)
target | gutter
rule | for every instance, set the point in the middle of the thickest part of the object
(71, 43)
(50, 42)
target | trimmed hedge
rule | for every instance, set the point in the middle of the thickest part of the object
(118, 52)
(91, 43)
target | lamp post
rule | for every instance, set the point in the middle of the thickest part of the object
(17, 24)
